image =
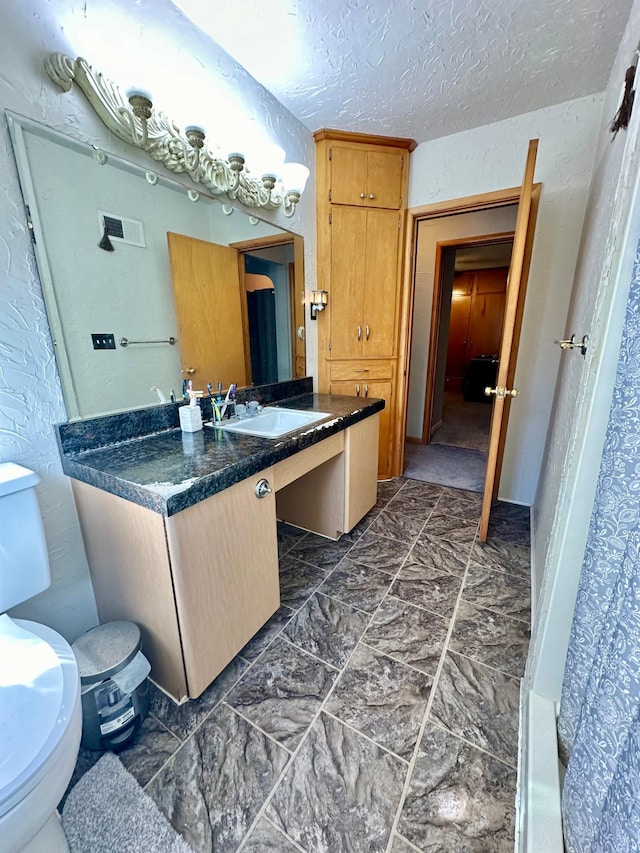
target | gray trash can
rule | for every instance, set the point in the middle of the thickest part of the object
(113, 685)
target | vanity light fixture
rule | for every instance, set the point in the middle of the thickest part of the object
(135, 120)
(319, 299)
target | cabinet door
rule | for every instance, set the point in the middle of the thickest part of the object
(381, 282)
(384, 179)
(383, 390)
(348, 176)
(224, 557)
(346, 294)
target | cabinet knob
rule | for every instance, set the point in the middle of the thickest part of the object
(371, 195)
(362, 195)
(191, 370)
(263, 488)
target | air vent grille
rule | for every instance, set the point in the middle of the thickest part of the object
(122, 229)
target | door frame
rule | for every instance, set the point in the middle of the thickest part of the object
(296, 282)
(436, 311)
(415, 215)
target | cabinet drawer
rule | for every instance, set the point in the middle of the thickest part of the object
(361, 370)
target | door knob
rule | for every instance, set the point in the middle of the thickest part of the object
(263, 488)
(573, 344)
(501, 393)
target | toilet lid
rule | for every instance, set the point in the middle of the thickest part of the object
(32, 687)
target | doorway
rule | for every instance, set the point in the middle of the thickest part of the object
(461, 267)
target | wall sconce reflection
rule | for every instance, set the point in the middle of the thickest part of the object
(319, 299)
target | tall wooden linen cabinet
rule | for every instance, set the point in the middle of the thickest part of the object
(361, 195)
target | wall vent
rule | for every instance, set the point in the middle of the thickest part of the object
(122, 230)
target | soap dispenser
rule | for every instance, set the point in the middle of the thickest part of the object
(191, 415)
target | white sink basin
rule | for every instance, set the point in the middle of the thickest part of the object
(273, 422)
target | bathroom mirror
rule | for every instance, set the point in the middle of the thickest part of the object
(148, 282)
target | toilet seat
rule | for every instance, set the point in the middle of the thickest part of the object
(40, 695)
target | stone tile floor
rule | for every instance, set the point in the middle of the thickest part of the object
(377, 710)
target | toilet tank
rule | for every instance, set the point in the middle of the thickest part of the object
(24, 562)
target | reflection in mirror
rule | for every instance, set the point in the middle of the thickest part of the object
(128, 255)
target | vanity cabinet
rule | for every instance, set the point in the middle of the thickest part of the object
(200, 583)
(361, 382)
(361, 196)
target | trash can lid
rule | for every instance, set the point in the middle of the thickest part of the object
(105, 650)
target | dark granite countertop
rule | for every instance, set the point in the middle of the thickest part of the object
(167, 470)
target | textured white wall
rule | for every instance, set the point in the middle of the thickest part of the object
(111, 34)
(491, 158)
(569, 475)
(431, 232)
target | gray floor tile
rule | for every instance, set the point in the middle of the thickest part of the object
(516, 513)
(397, 524)
(282, 692)
(152, 746)
(399, 845)
(417, 488)
(437, 553)
(507, 530)
(460, 799)
(408, 633)
(383, 699)
(265, 838)
(502, 556)
(424, 586)
(259, 642)
(214, 786)
(388, 488)
(413, 503)
(462, 495)
(452, 528)
(340, 793)
(183, 719)
(479, 704)
(503, 593)
(495, 640)
(378, 552)
(327, 628)
(297, 581)
(357, 585)
(320, 552)
(288, 535)
(457, 507)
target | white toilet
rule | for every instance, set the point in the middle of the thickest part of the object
(40, 708)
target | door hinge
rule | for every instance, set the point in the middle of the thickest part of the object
(329, 346)
(330, 153)
(30, 225)
(330, 218)
(329, 195)
(399, 220)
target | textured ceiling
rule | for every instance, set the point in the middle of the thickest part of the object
(417, 68)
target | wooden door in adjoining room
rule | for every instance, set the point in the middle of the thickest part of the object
(206, 289)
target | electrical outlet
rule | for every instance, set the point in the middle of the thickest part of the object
(103, 341)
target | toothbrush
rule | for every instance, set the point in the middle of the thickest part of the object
(232, 390)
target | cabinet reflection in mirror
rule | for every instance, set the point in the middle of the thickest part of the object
(167, 263)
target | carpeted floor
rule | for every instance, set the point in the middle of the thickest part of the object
(456, 467)
(463, 424)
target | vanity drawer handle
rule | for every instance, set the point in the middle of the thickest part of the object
(263, 488)
(359, 332)
(366, 390)
(367, 332)
(362, 370)
(357, 390)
